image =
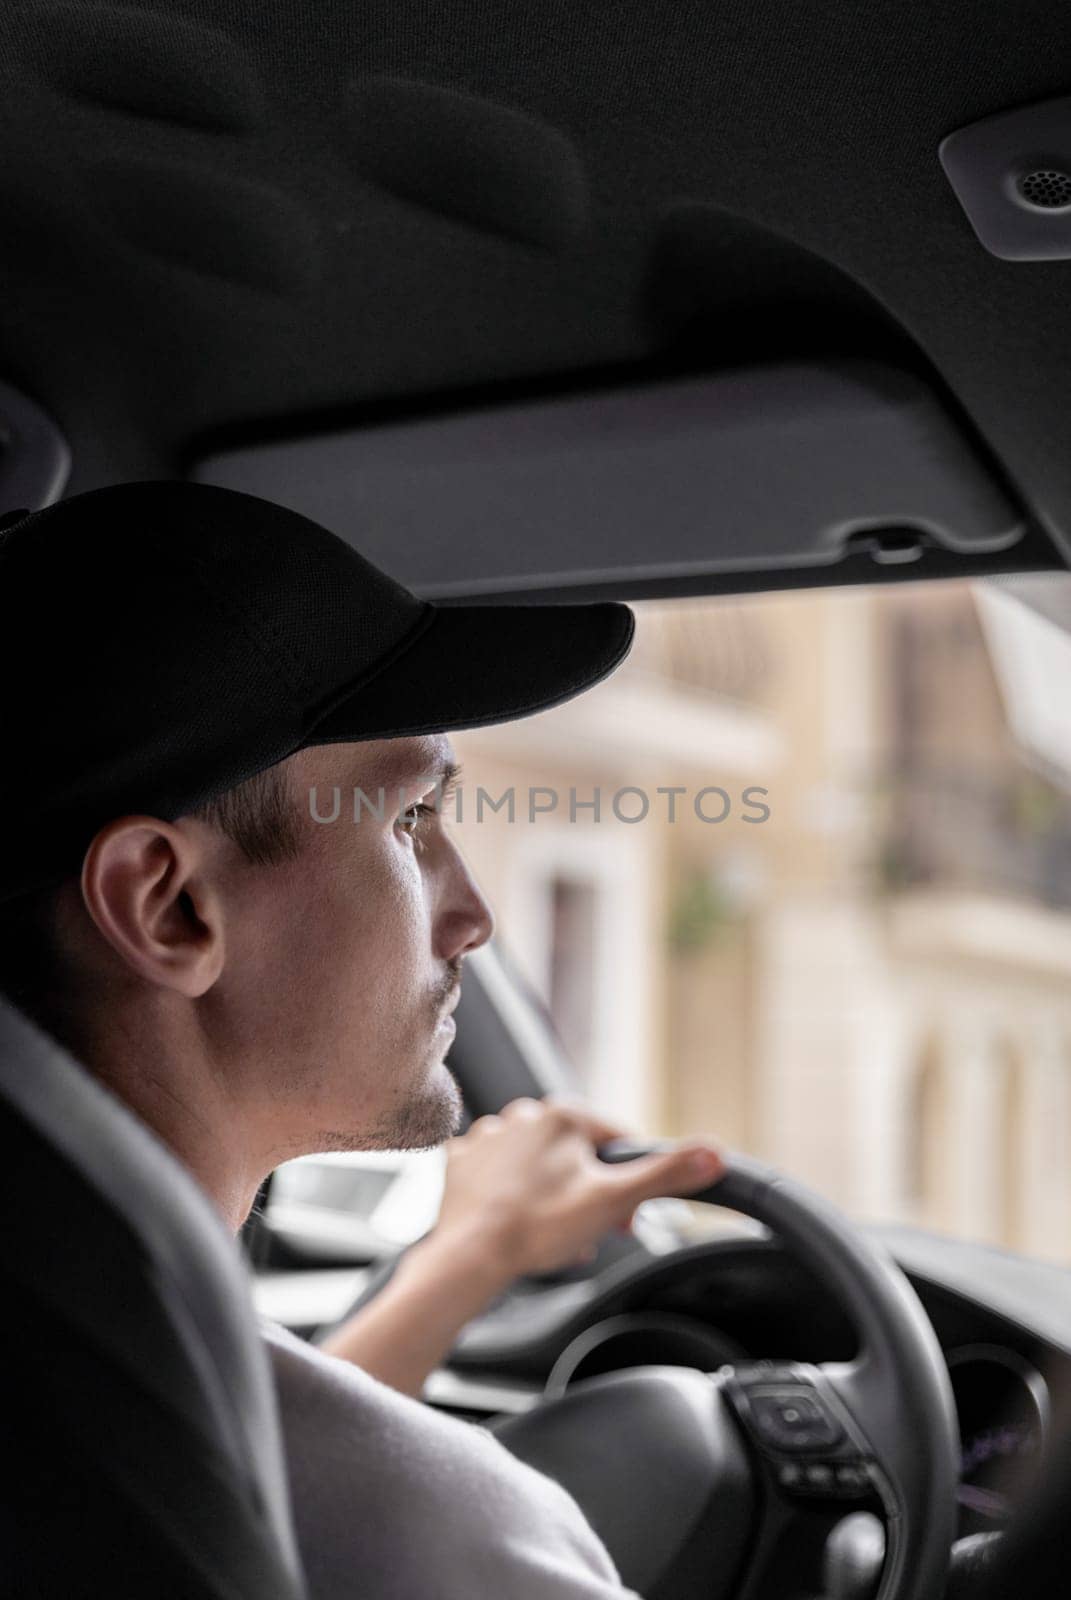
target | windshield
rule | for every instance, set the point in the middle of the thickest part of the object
(799, 876)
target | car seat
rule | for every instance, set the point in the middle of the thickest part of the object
(143, 1450)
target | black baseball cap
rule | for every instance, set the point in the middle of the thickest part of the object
(161, 642)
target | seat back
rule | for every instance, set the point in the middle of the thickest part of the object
(140, 1425)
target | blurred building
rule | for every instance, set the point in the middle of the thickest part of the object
(871, 986)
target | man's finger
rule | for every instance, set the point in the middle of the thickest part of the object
(673, 1172)
(586, 1121)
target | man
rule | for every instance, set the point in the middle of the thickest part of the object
(188, 675)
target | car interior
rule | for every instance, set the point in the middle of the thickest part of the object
(537, 303)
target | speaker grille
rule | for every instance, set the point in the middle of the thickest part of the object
(1047, 189)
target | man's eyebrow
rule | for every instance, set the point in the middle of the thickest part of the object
(444, 773)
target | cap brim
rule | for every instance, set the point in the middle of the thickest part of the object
(471, 666)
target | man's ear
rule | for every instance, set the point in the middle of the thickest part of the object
(148, 887)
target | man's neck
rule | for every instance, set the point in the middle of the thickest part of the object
(172, 1085)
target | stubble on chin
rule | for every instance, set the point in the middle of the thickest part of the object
(422, 1122)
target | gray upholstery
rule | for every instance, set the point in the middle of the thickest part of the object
(135, 1383)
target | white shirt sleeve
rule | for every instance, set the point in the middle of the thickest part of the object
(395, 1501)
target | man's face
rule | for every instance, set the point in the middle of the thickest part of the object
(343, 964)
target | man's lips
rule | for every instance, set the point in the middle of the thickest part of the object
(445, 1019)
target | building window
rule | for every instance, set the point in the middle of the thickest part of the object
(1008, 1175)
(925, 1131)
(571, 963)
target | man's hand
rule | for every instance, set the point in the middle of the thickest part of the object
(529, 1186)
(525, 1192)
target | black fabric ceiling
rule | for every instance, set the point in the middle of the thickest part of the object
(217, 215)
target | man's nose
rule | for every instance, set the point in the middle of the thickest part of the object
(465, 920)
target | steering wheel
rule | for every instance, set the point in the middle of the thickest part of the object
(726, 1485)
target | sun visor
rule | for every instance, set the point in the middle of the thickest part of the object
(35, 459)
(778, 468)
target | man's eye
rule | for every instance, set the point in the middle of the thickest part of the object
(411, 818)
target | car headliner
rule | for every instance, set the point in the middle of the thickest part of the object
(220, 219)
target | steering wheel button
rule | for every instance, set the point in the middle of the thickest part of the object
(852, 1480)
(792, 1419)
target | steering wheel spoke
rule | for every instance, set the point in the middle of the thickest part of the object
(864, 1396)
